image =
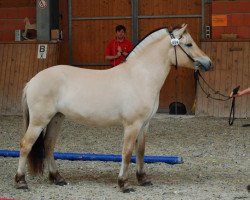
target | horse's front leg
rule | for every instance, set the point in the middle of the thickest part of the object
(130, 135)
(140, 151)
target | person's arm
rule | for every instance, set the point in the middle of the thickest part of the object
(241, 93)
(113, 57)
(108, 54)
(128, 50)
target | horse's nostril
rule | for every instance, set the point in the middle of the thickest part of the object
(211, 65)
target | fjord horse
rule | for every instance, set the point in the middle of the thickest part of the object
(127, 95)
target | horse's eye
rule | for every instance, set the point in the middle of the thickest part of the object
(189, 45)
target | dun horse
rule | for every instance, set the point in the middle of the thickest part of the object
(127, 94)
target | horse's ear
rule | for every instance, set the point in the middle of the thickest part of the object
(182, 30)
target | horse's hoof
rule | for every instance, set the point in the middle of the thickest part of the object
(123, 185)
(20, 182)
(142, 179)
(57, 179)
(61, 183)
(128, 190)
(21, 185)
(146, 183)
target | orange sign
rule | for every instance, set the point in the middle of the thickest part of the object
(219, 20)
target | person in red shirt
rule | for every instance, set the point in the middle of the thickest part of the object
(118, 48)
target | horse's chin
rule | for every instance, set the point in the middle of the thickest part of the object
(202, 68)
(203, 65)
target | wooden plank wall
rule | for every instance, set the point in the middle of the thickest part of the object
(90, 37)
(18, 64)
(231, 68)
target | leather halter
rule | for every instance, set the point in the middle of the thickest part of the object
(175, 42)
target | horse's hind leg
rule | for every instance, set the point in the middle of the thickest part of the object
(26, 144)
(52, 132)
(140, 150)
(130, 135)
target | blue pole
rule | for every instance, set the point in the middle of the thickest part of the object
(101, 157)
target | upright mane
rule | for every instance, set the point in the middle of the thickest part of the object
(154, 35)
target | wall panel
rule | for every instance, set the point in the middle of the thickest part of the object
(18, 65)
(169, 7)
(101, 8)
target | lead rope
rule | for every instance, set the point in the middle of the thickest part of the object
(235, 91)
(216, 92)
(232, 111)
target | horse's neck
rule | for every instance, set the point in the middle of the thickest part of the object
(153, 64)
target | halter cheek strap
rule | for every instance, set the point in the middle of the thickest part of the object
(174, 42)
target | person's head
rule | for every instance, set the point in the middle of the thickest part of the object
(120, 31)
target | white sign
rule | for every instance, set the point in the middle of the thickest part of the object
(175, 41)
(42, 51)
(42, 4)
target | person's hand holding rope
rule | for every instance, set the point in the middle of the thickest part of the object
(240, 93)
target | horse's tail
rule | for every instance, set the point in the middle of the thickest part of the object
(26, 116)
(36, 155)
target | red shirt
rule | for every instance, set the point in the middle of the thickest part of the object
(112, 50)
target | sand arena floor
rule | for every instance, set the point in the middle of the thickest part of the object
(216, 161)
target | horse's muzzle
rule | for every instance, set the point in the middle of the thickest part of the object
(204, 64)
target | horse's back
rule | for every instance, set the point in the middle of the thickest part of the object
(80, 94)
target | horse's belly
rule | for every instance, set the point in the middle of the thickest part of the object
(93, 117)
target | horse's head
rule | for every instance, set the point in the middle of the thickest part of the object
(187, 52)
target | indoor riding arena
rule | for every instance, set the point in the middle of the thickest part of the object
(168, 122)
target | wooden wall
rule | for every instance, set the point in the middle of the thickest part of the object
(231, 68)
(18, 64)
